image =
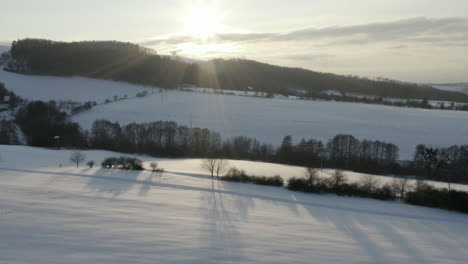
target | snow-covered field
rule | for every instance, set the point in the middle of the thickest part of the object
(78, 89)
(268, 120)
(454, 87)
(80, 215)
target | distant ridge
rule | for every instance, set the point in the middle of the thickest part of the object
(135, 64)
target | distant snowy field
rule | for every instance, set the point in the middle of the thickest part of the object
(80, 215)
(78, 89)
(456, 87)
(268, 120)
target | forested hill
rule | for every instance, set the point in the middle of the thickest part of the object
(132, 63)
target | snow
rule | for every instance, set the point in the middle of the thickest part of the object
(4, 48)
(454, 87)
(78, 89)
(269, 120)
(80, 215)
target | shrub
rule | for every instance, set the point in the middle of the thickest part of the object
(236, 175)
(318, 185)
(337, 179)
(426, 195)
(90, 163)
(109, 163)
(297, 184)
(458, 201)
(369, 183)
(350, 189)
(126, 163)
(311, 175)
(337, 184)
(401, 186)
(386, 192)
(154, 166)
(271, 181)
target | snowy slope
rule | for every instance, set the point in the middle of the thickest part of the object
(80, 215)
(454, 87)
(270, 120)
(66, 88)
(13, 156)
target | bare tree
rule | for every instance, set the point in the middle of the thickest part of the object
(77, 157)
(222, 166)
(210, 165)
(337, 178)
(311, 175)
(369, 182)
(401, 186)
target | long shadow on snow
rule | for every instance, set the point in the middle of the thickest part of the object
(193, 175)
(219, 234)
(413, 245)
(123, 180)
(288, 200)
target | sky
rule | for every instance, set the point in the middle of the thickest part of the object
(411, 40)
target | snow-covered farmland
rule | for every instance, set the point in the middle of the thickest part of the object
(80, 215)
(455, 87)
(78, 89)
(268, 120)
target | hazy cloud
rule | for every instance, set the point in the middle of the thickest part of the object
(407, 29)
(308, 57)
(450, 31)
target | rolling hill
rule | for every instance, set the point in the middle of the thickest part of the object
(128, 62)
(82, 215)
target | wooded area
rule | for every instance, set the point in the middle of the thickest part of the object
(131, 63)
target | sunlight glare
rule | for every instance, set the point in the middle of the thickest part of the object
(202, 21)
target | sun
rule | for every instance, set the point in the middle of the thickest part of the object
(202, 21)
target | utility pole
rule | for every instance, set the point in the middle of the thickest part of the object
(349, 152)
(190, 120)
(321, 162)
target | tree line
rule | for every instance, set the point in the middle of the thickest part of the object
(164, 138)
(131, 63)
(9, 98)
(447, 164)
(45, 125)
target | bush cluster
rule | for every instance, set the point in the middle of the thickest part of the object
(126, 163)
(236, 175)
(426, 195)
(83, 107)
(338, 184)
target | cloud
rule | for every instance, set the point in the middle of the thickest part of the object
(308, 57)
(171, 39)
(220, 37)
(383, 31)
(449, 31)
